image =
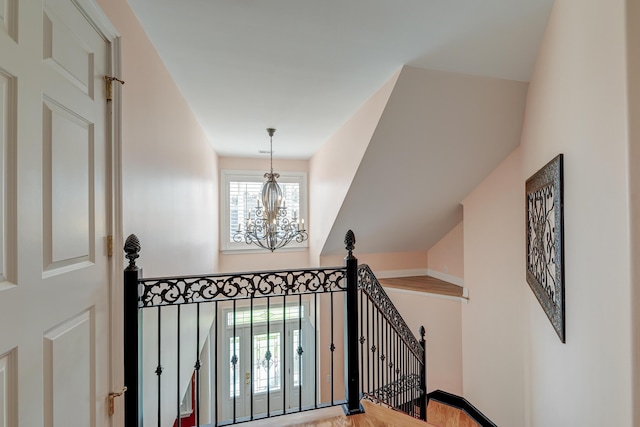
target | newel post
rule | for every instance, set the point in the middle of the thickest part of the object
(423, 377)
(351, 332)
(132, 328)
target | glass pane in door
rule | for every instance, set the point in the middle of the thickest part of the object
(234, 366)
(266, 362)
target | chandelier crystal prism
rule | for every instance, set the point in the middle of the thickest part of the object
(271, 228)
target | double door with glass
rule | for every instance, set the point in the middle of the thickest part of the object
(267, 368)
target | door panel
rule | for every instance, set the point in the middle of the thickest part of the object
(54, 170)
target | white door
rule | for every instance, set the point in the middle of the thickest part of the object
(266, 368)
(54, 175)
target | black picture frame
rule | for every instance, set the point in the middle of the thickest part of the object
(545, 241)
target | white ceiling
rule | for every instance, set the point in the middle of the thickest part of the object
(304, 67)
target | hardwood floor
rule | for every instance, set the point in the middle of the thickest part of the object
(374, 416)
(447, 416)
(423, 284)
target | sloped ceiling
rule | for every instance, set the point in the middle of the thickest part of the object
(305, 67)
(440, 134)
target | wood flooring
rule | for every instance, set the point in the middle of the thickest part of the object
(374, 416)
(443, 415)
(423, 284)
(438, 415)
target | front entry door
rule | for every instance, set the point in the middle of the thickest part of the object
(266, 368)
(54, 175)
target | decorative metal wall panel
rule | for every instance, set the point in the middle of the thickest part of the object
(186, 290)
(369, 284)
(545, 241)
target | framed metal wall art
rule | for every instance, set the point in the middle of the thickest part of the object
(545, 241)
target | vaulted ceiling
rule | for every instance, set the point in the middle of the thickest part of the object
(305, 67)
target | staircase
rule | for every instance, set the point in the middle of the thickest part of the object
(265, 344)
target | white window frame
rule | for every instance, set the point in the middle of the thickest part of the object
(228, 175)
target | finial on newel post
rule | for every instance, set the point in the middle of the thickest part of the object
(132, 249)
(350, 242)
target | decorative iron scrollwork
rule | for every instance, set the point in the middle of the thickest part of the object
(187, 290)
(370, 286)
(388, 392)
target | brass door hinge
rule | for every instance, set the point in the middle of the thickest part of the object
(112, 397)
(109, 246)
(109, 81)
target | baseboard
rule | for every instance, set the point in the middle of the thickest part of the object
(462, 404)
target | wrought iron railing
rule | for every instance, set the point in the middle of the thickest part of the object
(206, 321)
(393, 362)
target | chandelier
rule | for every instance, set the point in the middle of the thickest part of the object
(271, 228)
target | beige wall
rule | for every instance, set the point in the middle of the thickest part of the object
(447, 256)
(169, 168)
(442, 320)
(401, 262)
(578, 106)
(170, 192)
(333, 166)
(514, 366)
(282, 259)
(492, 329)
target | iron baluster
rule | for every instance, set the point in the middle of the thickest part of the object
(234, 361)
(178, 399)
(299, 351)
(361, 349)
(252, 363)
(215, 364)
(198, 364)
(266, 356)
(159, 366)
(369, 388)
(284, 359)
(315, 350)
(332, 348)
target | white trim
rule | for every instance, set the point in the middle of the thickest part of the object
(426, 294)
(96, 16)
(446, 277)
(387, 274)
(227, 247)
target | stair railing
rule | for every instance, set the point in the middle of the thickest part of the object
(393, 361)
(390, 371)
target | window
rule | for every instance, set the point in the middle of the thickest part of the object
(275, 314)
(241, 191)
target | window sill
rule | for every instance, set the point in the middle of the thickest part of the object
(254, 250)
